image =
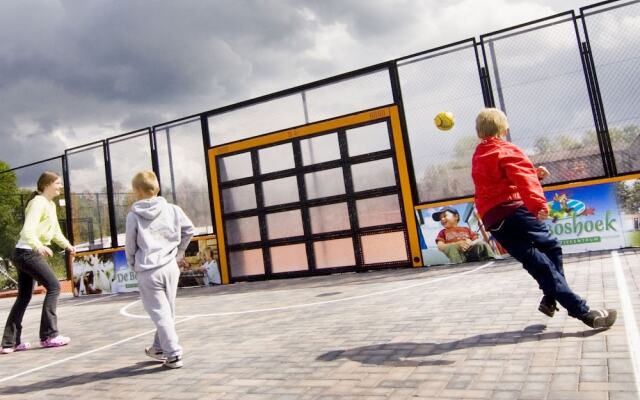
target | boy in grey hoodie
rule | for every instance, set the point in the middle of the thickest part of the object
(157, 235)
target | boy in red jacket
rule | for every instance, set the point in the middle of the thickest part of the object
(512, 205)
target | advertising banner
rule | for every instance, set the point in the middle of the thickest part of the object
(105, 272)
(587, 218)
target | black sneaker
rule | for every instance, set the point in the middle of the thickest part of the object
(548, 306)
(599, 318)
(173, 362)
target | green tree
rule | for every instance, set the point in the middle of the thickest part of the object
(629, 196)
(10, 224)
(624, 135)
(543, 145)
(9, 219)
(566, 142)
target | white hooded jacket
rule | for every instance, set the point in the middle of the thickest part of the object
(156, 232)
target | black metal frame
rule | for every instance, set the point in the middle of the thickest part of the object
(598, 109)
(87, 147)
(392, 67)
(67, 205)
(297, 89)
(67, 200)
(109, 172)
(303, 204)
(620, 3)
(302, 89)
(64, 179)
(205, 140)
(595, 100)
(204, 127)
(485, 84)
(397, 96)
(154, 141)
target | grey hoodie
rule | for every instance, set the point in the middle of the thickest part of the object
(156, 232)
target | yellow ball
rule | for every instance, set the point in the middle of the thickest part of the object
(444, 120)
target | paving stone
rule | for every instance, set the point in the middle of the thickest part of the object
(399, 344)
(594, 374)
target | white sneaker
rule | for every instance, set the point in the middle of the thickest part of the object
(173, 362)
(155, 354)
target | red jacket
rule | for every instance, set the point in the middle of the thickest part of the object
(502, 172)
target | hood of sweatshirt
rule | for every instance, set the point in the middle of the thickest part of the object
(155, 232)
(149, 208)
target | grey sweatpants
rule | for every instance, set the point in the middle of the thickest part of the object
(158, 289)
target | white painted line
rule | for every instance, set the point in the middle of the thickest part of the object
(633, 337)
(188, 318)
(8, 378)
(94, 300)
(124, 312)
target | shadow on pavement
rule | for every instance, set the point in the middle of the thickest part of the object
(139, 368)
(400, 354)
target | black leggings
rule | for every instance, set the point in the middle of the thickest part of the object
(32, 267)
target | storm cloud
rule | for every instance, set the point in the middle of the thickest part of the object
(72, 72)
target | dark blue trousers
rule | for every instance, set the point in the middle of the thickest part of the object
(528, 240)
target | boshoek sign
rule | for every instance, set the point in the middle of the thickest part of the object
(586, 218)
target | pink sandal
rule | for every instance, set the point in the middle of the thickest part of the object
(20, 347)
(55, 341)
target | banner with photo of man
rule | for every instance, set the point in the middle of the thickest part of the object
(587, 218)
(104, 272)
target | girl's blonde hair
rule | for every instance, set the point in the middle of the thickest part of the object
(491, 122)
(146, 182)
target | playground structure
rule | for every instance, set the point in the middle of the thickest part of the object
(331, 176)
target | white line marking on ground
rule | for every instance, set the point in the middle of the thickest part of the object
(8, 378)
(630, 324)
(124, 312)
(187, 318)
(93, 300)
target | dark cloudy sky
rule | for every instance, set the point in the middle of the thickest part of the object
(72, 72)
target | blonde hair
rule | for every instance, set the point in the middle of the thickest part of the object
(491, 122)
(146, 183)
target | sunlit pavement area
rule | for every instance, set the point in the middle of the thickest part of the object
(464, 332)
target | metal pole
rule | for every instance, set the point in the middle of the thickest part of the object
(496, 73)
(173, 178)
(206, 141)
(69, 214)
(111, 207)
(155, 164)
(304, 106)
(99, 218)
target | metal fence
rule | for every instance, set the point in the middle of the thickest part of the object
(568, 84)
(16, 187)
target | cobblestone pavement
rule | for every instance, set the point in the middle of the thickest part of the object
(466, 332)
